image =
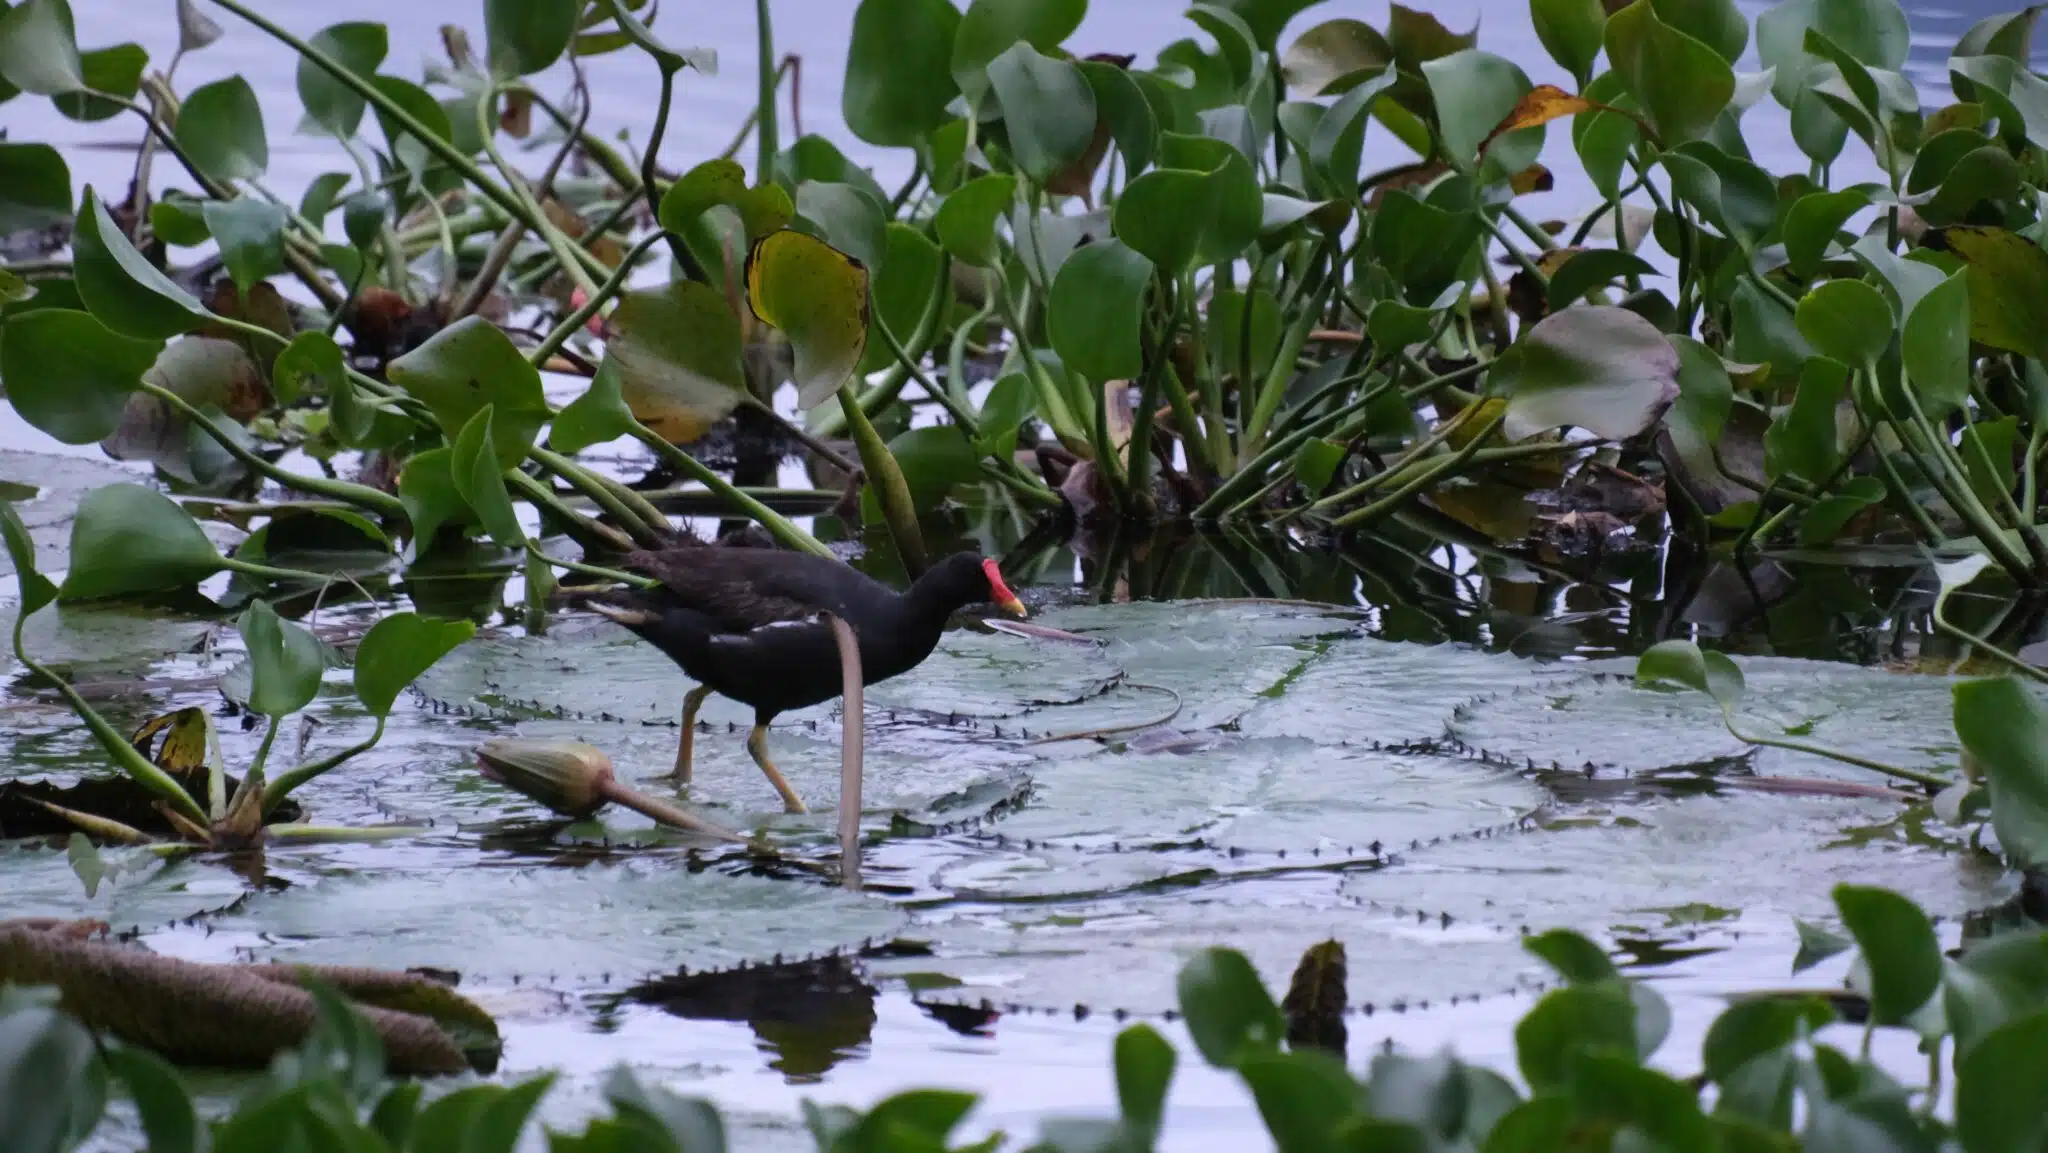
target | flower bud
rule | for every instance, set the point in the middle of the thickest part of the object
(570, 777)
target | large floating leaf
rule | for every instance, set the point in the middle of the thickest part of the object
(818, 297)
(677, 353)
(471, 365)
(1602, 369)
(659, 918)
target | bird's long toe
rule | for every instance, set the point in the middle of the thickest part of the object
(757, 744)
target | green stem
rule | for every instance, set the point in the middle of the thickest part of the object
(276, 791)
(777, 525)
(566, 254)
(137, 766)
(442, 149)
(1274, 389)
(892, 492)
(1428, 476)
(542, 497)
(2013, 660)
(643, 522)
(595, 299)
(1917, 777)
(358, 495)
(263, 749)
(1215, 426)
(270, 573)
(766, 134)
(611, 574)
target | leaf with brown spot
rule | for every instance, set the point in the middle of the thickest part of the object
(1534, 178)
(183, 751)
(1541, 105)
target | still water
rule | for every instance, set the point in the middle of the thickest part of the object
(1026, 1065)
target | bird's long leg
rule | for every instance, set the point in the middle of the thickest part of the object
(757, 744)
(691, 703)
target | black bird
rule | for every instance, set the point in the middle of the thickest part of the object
(746, 623)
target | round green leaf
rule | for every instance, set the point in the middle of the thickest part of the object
(480, 481)
(1997, 1086)
(1815, 222)
(966, 220)
(128, 539)
(1570, 30)
(818, 296)
(250, 233)
(285, 662)
(1804, 440)
(1599, 368)
(411, 152)
(38, 50)
(1737, 197)
(162, 1102)
(901, 291)
(399, 648)
(1935, 345)
(426, 486)
(1337, 149)
(1875, 32)
(1898, 946)
(846, 218)
(1229, 1013)
(677, 354)
(2008, 278)
(1685, 663)
(599, 415)
(34, 589)
(526, 36)
(116, 71)
(331, 106)
(1048, 110)
(990, 27)
(125, 291)
(2005, 728)
(220, 125)
(1327, 57)
(899, 75)
(1681, 84)
(1846, 320)
(1593, 268)
(35, 187)
(1315, 463)
(1474, 91)
(467, 366)
(1121, 104)
(714, 182)
(934, 460)
(68, 375)
(1164, 215)
(1239, 209)
(1096, 309)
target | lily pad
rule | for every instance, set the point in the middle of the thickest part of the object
(638, 918)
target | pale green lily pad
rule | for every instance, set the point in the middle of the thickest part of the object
(1362, 690)
(1126, 953)
(493, 924)
(140, 893)
(1607, 721)
(1625, 868)
(106, 637)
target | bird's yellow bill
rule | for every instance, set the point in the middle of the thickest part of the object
(1000, 593)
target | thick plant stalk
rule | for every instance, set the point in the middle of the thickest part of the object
(892, 492)
(851, 750)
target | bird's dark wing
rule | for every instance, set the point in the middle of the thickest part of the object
(730, 586)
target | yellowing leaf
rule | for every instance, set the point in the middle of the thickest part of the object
(1540, 105)
(818, 297)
